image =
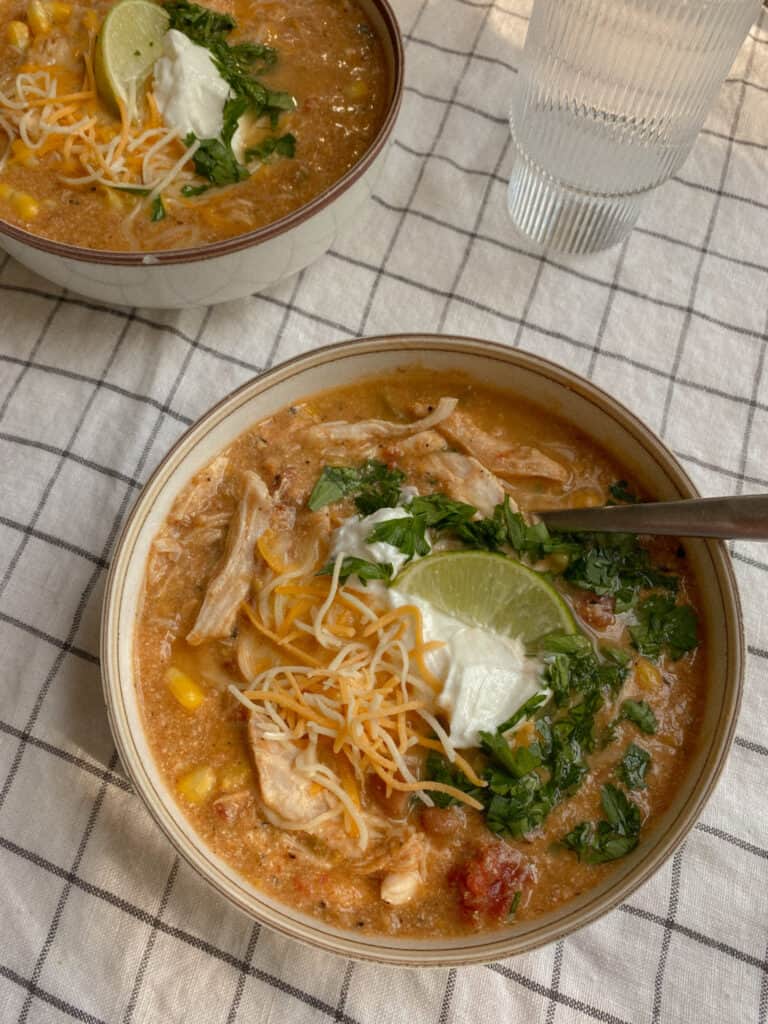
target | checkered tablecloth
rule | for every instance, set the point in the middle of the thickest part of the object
(99, 921)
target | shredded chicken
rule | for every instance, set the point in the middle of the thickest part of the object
(380, 430)
(508, 461)
(464, 479)
(291, 795)
(423, 443)
(400, 883)
(231, 581)
(197, 497)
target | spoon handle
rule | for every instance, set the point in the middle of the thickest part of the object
(741, 517)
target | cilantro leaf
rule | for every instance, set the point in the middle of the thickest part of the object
(285, 145)
(194, 190)
(622, 813)
(663, 625)
(437, 769)
(200, 24)
(406, 533)
(525, 711)
(215, 161)
(620, 492)
(615, 564)
(373, 484)
(633, 767)
(440, 512)
(361, 568)
(157, 209)
(334, 483)
(519, 761)
(609, 839)
(379, 487)
(641, 714)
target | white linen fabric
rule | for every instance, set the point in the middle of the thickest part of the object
(100, 920)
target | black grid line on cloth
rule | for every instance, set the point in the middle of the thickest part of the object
(564, 267)
(124, 313)
(150, 944)
(47, 945)
(669, 923)
(13, 772)
(420, 176)
(762, 1006)
(447, 1000)
(690, 933)
(559, 997)
(481, 57)
(557, 968)
(57, 371)
(46, 997)
(680, 348)
(471, 237)
(280, 332)
(624, 289)
(243, 974)
(754, 748)
(338, 1013)
(612, 289)
(97, 770)
(57, 542)
(42, 335)
(65, 646)
(175, 932)
(52, 449)
(742, 844)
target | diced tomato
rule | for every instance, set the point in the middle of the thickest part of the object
(488, 881)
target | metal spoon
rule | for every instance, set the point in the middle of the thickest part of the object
(741, 517)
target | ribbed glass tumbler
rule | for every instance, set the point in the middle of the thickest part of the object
(609, 98)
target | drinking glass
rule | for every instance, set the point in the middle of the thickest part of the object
(609, 98)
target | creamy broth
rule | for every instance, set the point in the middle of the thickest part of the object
(459, 861)
(329, 59)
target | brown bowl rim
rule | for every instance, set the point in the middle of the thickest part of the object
(171, 257)
(372, 948)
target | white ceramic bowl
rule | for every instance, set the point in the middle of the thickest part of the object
(234, 267)
(553, 388)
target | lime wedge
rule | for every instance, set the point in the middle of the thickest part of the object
(491, 591)
(129, 42)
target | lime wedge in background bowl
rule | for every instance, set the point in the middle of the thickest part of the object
(129, 42)
(488, 590)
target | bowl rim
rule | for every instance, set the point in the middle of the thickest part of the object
(364, 947)
(392, 38)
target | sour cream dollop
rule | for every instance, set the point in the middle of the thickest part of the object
(351, 539)
(486, 677)
(190, 91)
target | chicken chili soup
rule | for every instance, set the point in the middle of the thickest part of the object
(144, 126)
(383, 692)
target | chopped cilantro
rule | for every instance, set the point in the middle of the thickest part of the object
(620, 492)
(285, 145)
(615, 564)
(406, 533)
(519, 761)
(633, 767)
(641, 714)
(238, 64)
(609, 839)
(361, 568)
(514, 904)
(215, 161)
(157, 209)
(527, 709)
(373, 484)
(194, 190)
(663, 625)
(439, 770)
(440, 512)
(335, 483)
